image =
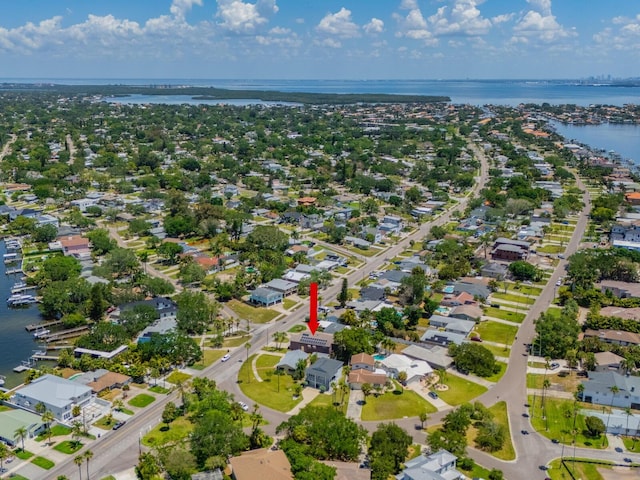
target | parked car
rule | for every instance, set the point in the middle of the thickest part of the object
(433, 395)
(226, 357)
(476, 339)
(118, 425)
(554, 365)
(244, 406)
(524, 432)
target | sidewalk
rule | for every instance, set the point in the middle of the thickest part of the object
(308, 394)
(436, 402)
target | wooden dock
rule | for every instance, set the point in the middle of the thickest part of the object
(12, 271)
(23, 289)
(39, 356)
(72, 332)
(35, 326)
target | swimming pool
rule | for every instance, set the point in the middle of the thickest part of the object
(448, 289)
(378, 357)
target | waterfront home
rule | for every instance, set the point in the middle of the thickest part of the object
(13, 419)
(102, 380)
(57, 394)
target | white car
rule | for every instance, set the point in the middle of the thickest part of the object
(226, 357)
(244, 406)
(558, 283)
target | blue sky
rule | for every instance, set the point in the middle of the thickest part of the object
(321, 39)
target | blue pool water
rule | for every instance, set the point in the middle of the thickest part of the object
(378, 357)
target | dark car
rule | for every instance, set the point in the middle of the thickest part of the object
(618, 449)
(433, 395)
(525, 415)
(555, 440)
(524, 432)
(476, 339)
(118, 425)
(627, 459)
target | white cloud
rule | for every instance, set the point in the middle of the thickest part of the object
(179, 8)
(375, 26)
(624, 36)
(463, 18)
(245, 18)
(502, 18)
(409, 4)
(329, 42)
(542, 24)
(413, 25)
(338, 24)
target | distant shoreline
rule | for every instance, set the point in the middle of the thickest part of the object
(213, 93)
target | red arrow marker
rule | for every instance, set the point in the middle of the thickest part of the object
(313, 308)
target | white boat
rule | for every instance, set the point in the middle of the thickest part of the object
(18, 299)
(2, 379)
(41, 332)
(18, 285)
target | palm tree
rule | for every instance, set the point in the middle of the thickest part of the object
(366, 390)
(4, 454)
(614, 391)
(76, 432)
(629, 413)
(545, 384)
(21, 433)
(88, 455)
(333, 386)
(423, 417)
(47, 418)
(279, 337)
(78, 461)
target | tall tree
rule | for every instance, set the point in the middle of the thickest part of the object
(343, 296)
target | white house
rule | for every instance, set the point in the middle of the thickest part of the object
(57, 394)
(415, 369)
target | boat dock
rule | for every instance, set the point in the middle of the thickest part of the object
(40, 356)
(13, 271)
(23, 289)
(72, 332)
(34, 326)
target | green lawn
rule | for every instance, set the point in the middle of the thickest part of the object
(68, 447)
(498, 351)
(508, 315)
(235, 341)
(266, 393)
(512, 297)
(23, 454)
(395, 404)
(560, 426)
(476, 472)
(105, 423)
(56, 430)
(249, 312)
(550, 249)
(326, 400)
(583, 470)
(178, 430)
(178, 377)
(554, 311)
(43, 463)
(460, 390)
(497, 332)
(568, 382)
(141, 400)
(288, 303)
(524, 289)
(15, 476)
(159, 389)
(110, 477)
(297, 328)
(507, 452)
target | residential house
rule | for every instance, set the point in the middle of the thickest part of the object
(415, 369)
(621, 312)
(263, 464)
(357, 242)
(436, 466)
(476, 287)
(436, 356)
(289, 362)
(494, 270)
(101, 380)
(442, 337)
(620, 289)
(597, 389)
(75, 246)
(363, 370)
(462, 298)
(510, 250)
(452, 324)
(392, 224)
(83, 203)
(372, 293)
(13, 419)
(265, 297)
(319, 343)
(165, 307)
(284, 287)
(607, 362)
(322, 372)
(615, 337)
(161, 326)
(617, 422)
(362, 361)
(466, 312)
(57, 394)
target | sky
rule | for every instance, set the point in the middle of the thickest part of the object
(320, 39)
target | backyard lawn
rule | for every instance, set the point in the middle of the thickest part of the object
(142, 400)
(559, 422)
(395, 404)
(267, 393)
(460, 390)
(508, 315)
(497, 332)
(249, 312)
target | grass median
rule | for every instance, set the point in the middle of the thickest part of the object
(275, 391)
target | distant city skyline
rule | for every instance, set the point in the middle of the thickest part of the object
(321, 39)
